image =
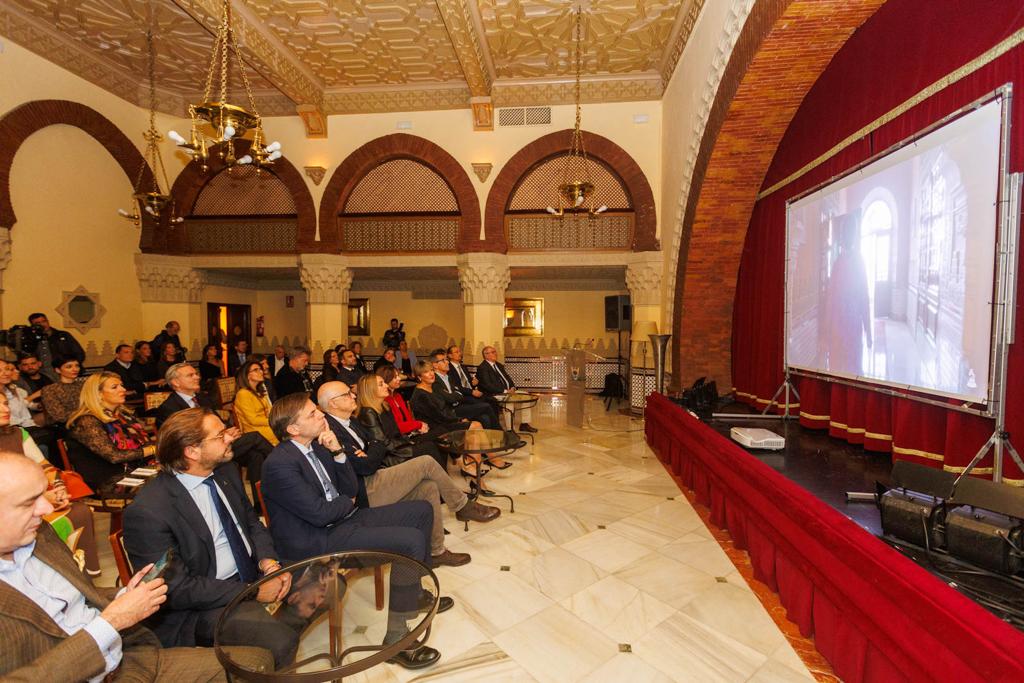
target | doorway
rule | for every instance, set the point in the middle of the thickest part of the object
(227, 324)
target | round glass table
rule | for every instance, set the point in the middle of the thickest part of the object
(516, 402)
(329, 609)
(484, 442)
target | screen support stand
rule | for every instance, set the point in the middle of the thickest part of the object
(998, 443)
(786, 389)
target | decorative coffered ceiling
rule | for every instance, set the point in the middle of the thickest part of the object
(352, 56)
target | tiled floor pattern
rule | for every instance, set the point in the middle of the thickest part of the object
(605, 572)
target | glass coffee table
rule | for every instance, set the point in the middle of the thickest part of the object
(331, 607)
(514, 403)
(485, 442)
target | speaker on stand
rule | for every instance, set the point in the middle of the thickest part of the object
(617, 316)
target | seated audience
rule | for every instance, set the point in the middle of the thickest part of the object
(268, 382)
(405, 359)
(464, 406)
(383, 424)
(394, 335)
(250, 450)
(210, 367)
(493, 380)
(400, 410)
(196, 507)
(357, 349)
(392, 471)
(30, 376)
(58, 627)
(60, 399)
(17, 440)
(46, 343)
(317, 506)
(462, 381)
(107, 429)
(387, 358)
(147, 365)
(124, 367)
(252, 405)
(331, 368)
(169, 335)
(169, 355)
(237, 356)
(24, 412)
(293, 378)
(278, 361)
(350, 371)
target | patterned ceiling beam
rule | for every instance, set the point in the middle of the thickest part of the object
(631, 88)
(462, 21)
(681, 30)
(264, 52)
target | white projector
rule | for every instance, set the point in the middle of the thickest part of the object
(757, 438)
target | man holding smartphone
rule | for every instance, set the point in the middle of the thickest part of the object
(56, 626)
(197, 508)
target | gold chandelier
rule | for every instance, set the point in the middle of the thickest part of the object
(576, 193)
(228, 121)
(155, 200)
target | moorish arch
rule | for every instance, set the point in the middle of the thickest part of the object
(389, 148)
(601, 149)
(24, 120)
(784, 47)
(193, 179)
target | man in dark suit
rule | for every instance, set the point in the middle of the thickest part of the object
(56, 626)
(125, 367)
(168, 334)
(293, 378)
(237, 357)
(316, 506)
(493, 380)
(250, 449)
(350, 371)
(197, 508)
(277, 361)
(465, 406)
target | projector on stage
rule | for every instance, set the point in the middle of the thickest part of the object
(757, 438)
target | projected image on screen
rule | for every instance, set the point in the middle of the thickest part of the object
(890, 270)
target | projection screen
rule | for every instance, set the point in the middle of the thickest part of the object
(890, 270)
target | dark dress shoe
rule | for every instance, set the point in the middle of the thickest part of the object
(525, 427)
(450, 559)
(444, 603)
(420, 658)
(475, 512)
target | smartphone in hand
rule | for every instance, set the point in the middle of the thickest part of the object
(159, 567)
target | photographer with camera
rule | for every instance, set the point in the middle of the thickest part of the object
(45, 343)
(394, 336)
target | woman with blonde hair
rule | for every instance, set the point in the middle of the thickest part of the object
(252, 402)
(375, 414)
(107, 429)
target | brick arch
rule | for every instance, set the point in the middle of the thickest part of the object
(24, 120)
(783, 49)
(191, 181)
(598, 147)
(399, 146)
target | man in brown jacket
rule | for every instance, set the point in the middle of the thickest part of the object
(56, 626)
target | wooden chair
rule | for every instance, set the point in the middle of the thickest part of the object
(63, 449)
(224, 388)
(153, 399)
(263, 504)
(124, 566)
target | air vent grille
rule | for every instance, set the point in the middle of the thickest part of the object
(524, 116)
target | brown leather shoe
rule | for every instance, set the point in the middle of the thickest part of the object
(475, 512)
(450, 559)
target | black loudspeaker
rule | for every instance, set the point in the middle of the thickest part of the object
(617, 312)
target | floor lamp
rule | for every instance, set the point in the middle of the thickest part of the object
(642, 331)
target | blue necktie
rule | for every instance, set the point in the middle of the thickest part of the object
(321, 474)
(243, 560)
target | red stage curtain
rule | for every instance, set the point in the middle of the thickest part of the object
(903, 48)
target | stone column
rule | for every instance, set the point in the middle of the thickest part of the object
(172, 290)
(484, 277)
(643, 278)
(327, 281)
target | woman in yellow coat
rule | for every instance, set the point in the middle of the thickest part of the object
(252, 405)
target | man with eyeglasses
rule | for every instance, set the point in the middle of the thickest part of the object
(196, 508)
(468, 407)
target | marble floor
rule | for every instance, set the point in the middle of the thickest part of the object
(605, 572)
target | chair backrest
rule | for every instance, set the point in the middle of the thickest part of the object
(63, 448)
(225, 387)
(263, 504)
(124, 566)
(153, 399)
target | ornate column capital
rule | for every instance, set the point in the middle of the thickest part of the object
(169, 279)
(484, 277)
(643, 278)
(326, 278)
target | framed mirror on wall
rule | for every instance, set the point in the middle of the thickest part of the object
(359, 317)
(524, 317)
(81, 309)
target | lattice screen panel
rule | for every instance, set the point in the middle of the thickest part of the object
(539, 188)
(241, 236)
(572, 231)
(401, 186)
(399, 234)
(240, 191)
